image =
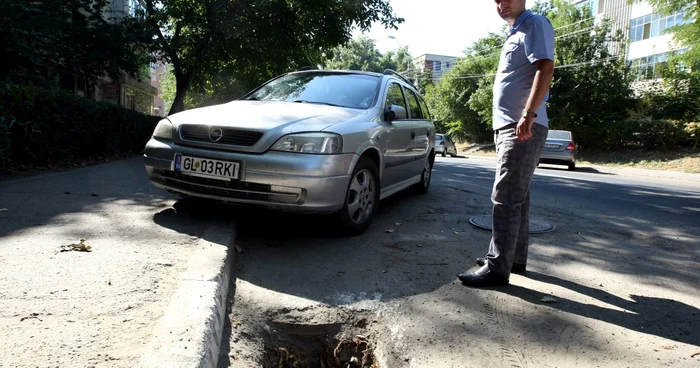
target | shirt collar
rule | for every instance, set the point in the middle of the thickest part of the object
(521, 19)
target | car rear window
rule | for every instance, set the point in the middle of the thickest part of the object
(558, 134)
(340, 89)
(438, 137)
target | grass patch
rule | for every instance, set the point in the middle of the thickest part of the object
(683, 159)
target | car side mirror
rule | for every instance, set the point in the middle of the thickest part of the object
(395, 112)
(389, 114)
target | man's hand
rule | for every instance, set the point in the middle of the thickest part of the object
(524, 128)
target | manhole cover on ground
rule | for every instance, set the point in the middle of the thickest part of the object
(537, 226)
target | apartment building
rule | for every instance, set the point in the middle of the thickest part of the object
(134, 93)
(438, 65)
(648, 43)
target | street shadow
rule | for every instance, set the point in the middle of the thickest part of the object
(665, 318)
(580, 169)
(418, 243)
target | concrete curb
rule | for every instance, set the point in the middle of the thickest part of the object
(190, 332)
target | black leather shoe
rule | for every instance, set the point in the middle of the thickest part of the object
(482, 277)
(518, 268)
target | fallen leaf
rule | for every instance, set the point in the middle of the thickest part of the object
(94, 194)
(668, 347)
(3, 209)
(390, 231)
(239, 249)
(398, 224)
(419, 246)
(695, 354)
(548, 299)
(78, 247)
(457, 232)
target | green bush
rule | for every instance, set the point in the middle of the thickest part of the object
(41, 127)
(648, 134)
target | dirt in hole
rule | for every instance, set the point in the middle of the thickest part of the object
(319, 346)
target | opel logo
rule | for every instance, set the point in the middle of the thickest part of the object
(216, 134)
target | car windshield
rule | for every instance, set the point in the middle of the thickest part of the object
(559, 134)
(355, 91)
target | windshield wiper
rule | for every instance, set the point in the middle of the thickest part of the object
(318, 103)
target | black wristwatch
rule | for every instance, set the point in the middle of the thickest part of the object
(528, 113)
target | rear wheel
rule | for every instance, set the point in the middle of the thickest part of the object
(426, 176)
(572, 166)
(361, 198)
(443, 153)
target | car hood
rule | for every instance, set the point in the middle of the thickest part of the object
(277, 117)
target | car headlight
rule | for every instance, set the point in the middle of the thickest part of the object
(164, 129)
(319, 143)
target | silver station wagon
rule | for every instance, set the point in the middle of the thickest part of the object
(312, 141)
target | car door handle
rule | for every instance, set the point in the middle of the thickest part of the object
(413, 135)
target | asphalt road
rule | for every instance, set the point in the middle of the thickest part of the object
(622, 261)
(667, 208)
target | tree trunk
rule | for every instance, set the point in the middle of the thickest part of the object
(182, 85)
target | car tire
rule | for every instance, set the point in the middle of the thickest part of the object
(444, 154)
(361, 198)
(572, 166)
(423, 186)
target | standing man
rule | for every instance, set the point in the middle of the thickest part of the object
(520, 129)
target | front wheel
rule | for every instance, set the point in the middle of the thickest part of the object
(423, 186)
(361, 198)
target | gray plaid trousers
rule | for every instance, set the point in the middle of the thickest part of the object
(516, 165)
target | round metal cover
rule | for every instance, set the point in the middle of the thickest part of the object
(537, 226)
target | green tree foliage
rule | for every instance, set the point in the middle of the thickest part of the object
(463, 97)
(677, 95)
(70, 37)
(590, 89)
(461, 100)
(253, 40)
(361, 53)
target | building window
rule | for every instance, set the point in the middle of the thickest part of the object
(438, 65)
(447, 65)
(648, 67)
(654, 25)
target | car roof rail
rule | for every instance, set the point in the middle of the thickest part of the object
(395, 73)
(308, 67)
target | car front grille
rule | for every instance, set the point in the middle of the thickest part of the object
(235, 190)
(236, 137)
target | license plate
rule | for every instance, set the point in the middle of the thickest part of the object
(551, 146)
(207, 167)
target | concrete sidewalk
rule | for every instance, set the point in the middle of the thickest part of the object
(147, 269)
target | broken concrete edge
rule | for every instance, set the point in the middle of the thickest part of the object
(189, 334)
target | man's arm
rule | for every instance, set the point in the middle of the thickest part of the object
(543, 78)
(540, 87)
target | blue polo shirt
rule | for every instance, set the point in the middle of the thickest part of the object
(530, 39)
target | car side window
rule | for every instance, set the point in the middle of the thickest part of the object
(415, 105)
(424, 108)
(395, 96)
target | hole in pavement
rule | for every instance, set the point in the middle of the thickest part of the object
(332, 345)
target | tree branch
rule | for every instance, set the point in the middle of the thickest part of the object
(150, 9)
